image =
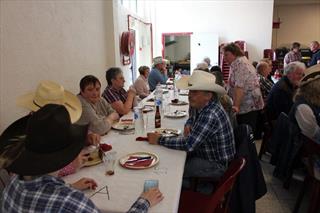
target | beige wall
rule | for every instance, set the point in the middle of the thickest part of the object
(56, 40)
(299, 22)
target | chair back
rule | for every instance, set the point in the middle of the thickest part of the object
(220, 198)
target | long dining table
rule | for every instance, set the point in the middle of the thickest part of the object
(119, 191)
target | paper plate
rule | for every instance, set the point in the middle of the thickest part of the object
(179, 103)
(147, 109)
(124, 159)
(123, 126)
(176, 114)
(95, 157)
(165, 132)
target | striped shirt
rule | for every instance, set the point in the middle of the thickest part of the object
(112, 95)
(291, 57)
(265, 86)
(50, 194)
(211, 137)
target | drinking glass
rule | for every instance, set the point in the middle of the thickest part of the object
(109, 161)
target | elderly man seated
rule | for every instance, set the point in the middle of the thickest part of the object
(95, 110)
(36, 147)
(158, 74)
(209, 139)
(280, 98)
(120, 100)
(141, 84)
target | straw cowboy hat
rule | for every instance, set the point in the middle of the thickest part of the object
(159, 60)
(200, 80)
(42, 142)
(311, 74)
(49, 92)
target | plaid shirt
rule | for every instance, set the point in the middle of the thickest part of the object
(211, 137)
(50, 194)
(291, 57)
(265, 86)
(112, 95)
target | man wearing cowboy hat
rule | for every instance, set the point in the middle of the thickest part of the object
(306, 110)
(158, 73)
(210, 142)
(35, 147)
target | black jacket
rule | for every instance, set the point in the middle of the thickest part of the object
(250, 184)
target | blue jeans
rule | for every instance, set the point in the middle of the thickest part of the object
(197, 167)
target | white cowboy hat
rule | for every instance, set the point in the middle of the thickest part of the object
(311, 74)
(200, 80)
(49, 92)
(159, 60)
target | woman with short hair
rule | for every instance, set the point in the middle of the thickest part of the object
(95, 110)
(120, 100)
(243, 86)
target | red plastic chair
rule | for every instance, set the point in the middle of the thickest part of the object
(195, 202)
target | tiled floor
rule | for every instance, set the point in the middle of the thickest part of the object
(278, 199)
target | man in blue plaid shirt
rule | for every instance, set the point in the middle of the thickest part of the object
(35, 147)
(208, 136)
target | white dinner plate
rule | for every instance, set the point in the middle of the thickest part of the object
(124, 159)
(123, 126)
(166, 132)
(176, 114)
(179, 103)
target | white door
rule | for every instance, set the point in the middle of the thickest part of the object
(204, 45)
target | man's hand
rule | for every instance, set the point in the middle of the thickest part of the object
(154, 196)
(93, 139)
(186, 131)
(85, 183)
(153, 138)
(235, 109)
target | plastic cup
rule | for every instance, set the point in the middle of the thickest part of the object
(109, 161)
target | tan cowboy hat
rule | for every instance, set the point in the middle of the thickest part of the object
(49, 92)
(200, 80)
(311, 74)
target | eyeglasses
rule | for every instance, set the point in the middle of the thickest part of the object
(102, 191)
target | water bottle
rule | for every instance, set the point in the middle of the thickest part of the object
(138, 121)
(158, 96)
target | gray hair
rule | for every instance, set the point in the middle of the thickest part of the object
(293, 66)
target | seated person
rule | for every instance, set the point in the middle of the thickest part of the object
(38, 145)
(49, 92)
(208, 136)
(115, 94)
(264, 70)
(158, 74)
(95, 110)
(141, 84)
(306, 109)
(280, 98)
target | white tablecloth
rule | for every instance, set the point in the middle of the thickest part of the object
(126, 185)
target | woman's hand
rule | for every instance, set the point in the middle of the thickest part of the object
(85, 183)
(80, 161)
(153, 196)
(93, 139)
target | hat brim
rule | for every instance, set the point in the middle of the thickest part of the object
(72, 104)
(311, 74)
(31, 163)
(182, 83)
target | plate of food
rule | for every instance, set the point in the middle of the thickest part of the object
(176, 114)
(94, 155)
(177, 102)
(165, 132)
(139, 160)
(125, 124)
(146, 109)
